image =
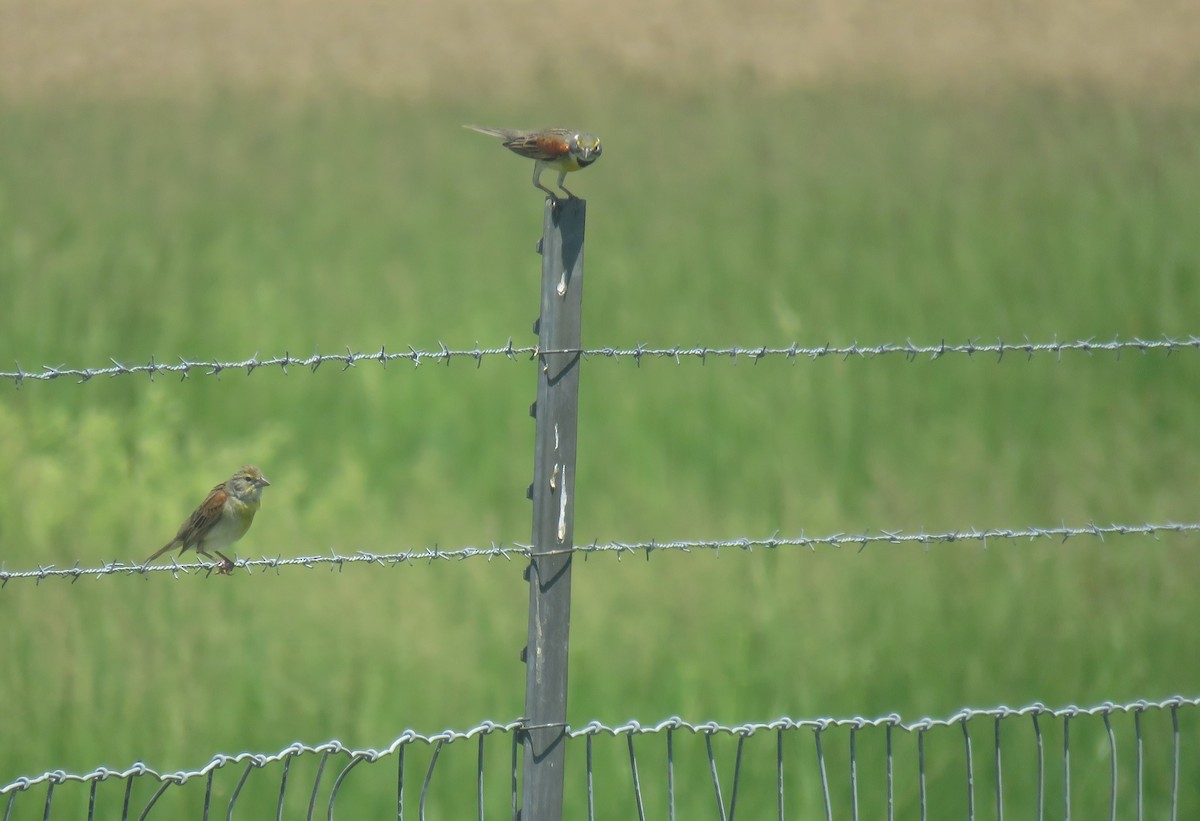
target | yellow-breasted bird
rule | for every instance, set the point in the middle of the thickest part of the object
(559, 149)
(222, 518)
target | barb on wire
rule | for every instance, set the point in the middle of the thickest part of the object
(189, 367)
(337, 561)
(909, 350)
(942, 760)
(332, 560)
(677, 353)
(866, 538)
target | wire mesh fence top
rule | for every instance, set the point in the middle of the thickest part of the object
(1129, 759)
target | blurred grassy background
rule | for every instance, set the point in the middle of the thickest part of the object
(214, 179)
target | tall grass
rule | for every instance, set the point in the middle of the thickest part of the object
(221, 227)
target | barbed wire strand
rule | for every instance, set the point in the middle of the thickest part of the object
(631, 730)
(337, 561)
(443, 355)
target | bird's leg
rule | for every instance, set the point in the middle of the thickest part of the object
(221, 569)
(562, 176)
(538, 168)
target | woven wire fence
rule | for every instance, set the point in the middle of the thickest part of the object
(1136, 760)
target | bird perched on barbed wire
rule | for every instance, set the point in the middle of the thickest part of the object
(222, 518)
(559, 149)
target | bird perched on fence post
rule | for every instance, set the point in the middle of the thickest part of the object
(559, 149)
(222, 518)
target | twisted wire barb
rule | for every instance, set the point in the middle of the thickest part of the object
(862, 540)
(677, 353)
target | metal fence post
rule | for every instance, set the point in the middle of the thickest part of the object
(553, 494)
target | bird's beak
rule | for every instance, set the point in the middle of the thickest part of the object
(262, 482)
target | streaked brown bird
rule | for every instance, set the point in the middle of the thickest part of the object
(222, 518)
(559, 149)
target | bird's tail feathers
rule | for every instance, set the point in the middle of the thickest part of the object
(162, 550)
(502, 133)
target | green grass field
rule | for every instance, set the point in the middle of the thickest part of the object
(235, 223)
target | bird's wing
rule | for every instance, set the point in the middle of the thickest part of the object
(204, 517)
(543, 146)
(550, 144)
